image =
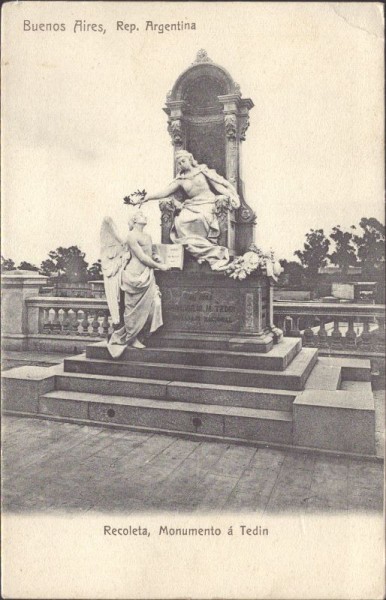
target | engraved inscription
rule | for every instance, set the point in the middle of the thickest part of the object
(203, 311)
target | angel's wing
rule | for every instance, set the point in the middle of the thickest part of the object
(113, 258)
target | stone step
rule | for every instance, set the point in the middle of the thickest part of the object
(363, 387)
(248, 397)
(157, 415)
(293, 378)
(277, 359)
(338, 420)
(324, 377)
(353, 369)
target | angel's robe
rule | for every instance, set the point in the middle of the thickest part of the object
(196, 227)
(143, 312)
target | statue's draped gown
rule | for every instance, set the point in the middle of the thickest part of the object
(196, 227)
(142, 313)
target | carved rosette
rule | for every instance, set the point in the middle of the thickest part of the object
(230, 126)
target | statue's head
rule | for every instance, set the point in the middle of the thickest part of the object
(139, 217)
(185, 160)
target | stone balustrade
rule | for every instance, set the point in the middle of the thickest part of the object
(49, 323)
(358, 328)
(69, 316)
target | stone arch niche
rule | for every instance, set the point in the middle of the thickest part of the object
(208, 117)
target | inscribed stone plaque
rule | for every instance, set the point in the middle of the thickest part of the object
(212, 310)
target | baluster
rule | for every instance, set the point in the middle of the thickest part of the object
(379, 335)
(105, 325)
(94, 325)
(100, 324)
(56, 326)
(111, 328)
(336, 336)
(287, 325)
(76, 322)
(309, 337)
(46, 321)
(72, 315)
(295, 326)
(66, 324)
(351, 337)
(83, 325)
(89, 323)
(322, 333)
(366, 335)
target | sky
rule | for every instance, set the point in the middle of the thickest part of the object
(83, 126)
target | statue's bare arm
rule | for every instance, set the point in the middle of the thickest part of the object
(136, 249)
(168, 191)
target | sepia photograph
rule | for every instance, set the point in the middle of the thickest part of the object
(193, 300)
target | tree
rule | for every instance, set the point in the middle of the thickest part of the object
(344, 254)
(315, 252)
(371, 245)
(292, 275)
(7, 264)
(95, 271)
(26, 266)
(66, 263)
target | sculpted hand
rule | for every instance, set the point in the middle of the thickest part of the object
(163, 267)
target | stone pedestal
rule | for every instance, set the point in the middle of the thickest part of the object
(16, 323)
(203, 308)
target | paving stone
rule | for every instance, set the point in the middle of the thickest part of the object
(79, 469)
(253, 489)
(233, 462)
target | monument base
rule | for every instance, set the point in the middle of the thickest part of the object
(208, 309)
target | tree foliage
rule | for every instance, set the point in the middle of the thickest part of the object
(371, 245)
(293, 274)
(315, 252)
(344, 254)
(67, 263)
(27, 266)
(95, 271)
(7, 264)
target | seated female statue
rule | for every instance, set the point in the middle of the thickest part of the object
(196, 225)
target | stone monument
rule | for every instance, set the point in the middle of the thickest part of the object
(218, 369)
(208, 118)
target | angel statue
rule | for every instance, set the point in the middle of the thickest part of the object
(129, 266)
(195, 224)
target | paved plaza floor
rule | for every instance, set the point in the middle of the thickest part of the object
(54, 467)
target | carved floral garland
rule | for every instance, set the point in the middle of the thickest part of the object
(253, 260)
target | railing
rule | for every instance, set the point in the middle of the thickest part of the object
(359, 328)
(57, 316)
(355, 327)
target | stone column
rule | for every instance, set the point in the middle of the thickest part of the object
(176, 126)
(17, 286)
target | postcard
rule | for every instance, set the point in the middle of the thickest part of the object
(193, 300)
